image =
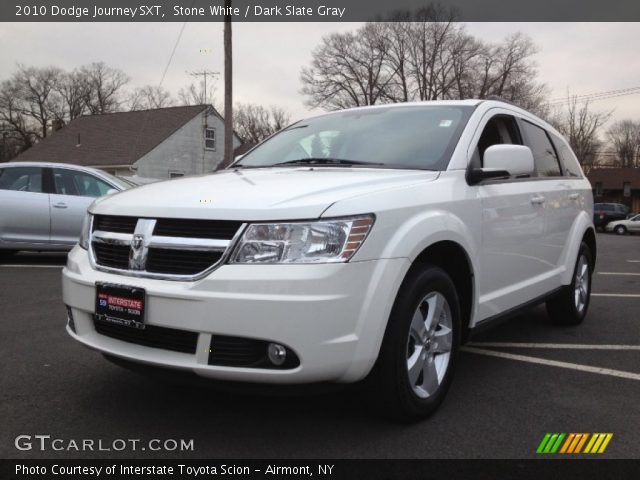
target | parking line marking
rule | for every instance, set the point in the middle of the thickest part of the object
(554, 363)
(559, 346)
(31, 266)
(618, 273)
(619, 295)
(633, 261)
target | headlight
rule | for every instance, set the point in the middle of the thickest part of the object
(85, 232)
(324, 241)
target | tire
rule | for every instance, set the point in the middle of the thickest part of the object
(570, 306)
(620, 230)
(409, 394)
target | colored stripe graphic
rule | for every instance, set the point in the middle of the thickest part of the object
(573, 443)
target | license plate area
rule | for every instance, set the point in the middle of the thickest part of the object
(120, 305)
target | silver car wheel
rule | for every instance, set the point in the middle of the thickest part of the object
(429, 344)
(581, 284)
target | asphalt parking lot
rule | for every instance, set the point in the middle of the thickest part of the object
(504, 398)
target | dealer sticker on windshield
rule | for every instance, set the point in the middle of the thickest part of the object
(446, 123)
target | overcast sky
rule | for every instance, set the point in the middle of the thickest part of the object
(585, 58)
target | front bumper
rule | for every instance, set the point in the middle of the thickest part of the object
(332, 315)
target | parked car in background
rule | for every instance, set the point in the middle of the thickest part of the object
(43, 204)
(604, 213)
(622, 227)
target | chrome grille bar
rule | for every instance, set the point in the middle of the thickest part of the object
(142, 240)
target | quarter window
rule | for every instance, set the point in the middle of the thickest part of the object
(544, 155)
(21, 179)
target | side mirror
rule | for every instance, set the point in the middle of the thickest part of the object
(503, 161)
(111, 191)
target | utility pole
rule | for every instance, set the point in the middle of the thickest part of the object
(228, 89)
(204, 73)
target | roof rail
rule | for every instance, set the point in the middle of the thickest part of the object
(497, 98)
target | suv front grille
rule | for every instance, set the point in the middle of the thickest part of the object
(151, 336)
(109, 223)
(174, 227)
(180, 262)
(177, 249)
(110, 255)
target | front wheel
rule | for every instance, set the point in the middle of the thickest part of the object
(570, 306)
(620, 230)
(420, 346)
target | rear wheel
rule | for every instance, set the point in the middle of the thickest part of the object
(620, 230)
(419, 350)
(570, 306)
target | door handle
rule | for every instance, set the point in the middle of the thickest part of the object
(574, 196)
(537, 200)
(60, 205)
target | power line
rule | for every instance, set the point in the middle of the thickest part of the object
(597, 96)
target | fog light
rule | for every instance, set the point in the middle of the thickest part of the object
(277, 353)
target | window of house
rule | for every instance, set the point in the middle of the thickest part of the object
(175, 174)
(626, 189)
(22, 179)
(210, 138)
(544, 155)
(598, 189)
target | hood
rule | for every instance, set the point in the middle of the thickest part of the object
(256, 194)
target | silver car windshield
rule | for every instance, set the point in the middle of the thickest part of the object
(415, 137)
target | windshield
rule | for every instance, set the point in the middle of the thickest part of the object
(121, 182)
(416, 137)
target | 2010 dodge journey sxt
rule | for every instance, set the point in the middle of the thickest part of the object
(365, 243)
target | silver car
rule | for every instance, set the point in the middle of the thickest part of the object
(42, 205)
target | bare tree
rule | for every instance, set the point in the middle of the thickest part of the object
(18, 132)
(581, 125)
(104, 87)
(150, 97)
(72, 89)
(253, 123)
(422, 55)
(36, 90)
(194, 94)
(625, 139)
(348, 69)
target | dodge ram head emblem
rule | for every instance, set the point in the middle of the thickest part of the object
(137, 254)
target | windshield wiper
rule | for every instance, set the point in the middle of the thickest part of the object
(324, 161)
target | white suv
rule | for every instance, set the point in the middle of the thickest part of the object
(365, 243)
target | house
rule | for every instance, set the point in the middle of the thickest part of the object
(160, 143)
(616, 185)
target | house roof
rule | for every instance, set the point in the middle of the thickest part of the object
(614, 178)
(110, 139)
